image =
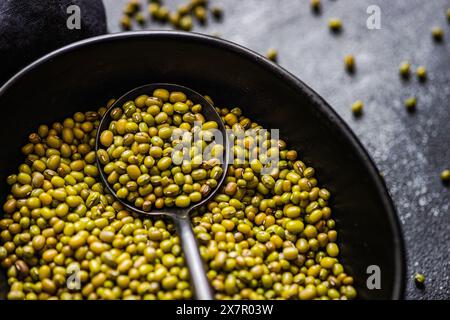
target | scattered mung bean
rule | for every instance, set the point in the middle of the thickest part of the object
(272, 54)
(335, 24)
(445, 176)
(411, 104)
(357, 107)
(437, 33)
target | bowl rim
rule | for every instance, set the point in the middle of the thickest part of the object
(322, 106)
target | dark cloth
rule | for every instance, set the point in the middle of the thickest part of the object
(31, 28)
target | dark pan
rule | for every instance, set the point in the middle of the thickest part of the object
(84, 75)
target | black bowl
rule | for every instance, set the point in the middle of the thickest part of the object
(84, 75)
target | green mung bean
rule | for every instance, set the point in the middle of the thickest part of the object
(263, 236)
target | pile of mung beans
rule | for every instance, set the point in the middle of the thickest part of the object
(263, 236)
(158, 151)
(180, 18)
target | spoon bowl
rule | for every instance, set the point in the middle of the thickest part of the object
(179, 215)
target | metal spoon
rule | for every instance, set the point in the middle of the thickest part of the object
(180, 216)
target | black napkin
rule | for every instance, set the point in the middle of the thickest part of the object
(31, 28)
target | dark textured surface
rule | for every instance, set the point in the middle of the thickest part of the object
(409, 149)
(32, 28)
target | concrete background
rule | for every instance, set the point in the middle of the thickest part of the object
(410, 149)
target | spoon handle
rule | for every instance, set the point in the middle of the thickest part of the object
(194, 260)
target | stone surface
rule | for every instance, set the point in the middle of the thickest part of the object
(410, 149)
